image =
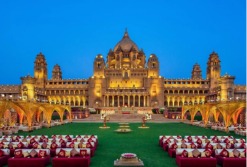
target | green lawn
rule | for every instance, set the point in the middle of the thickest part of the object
(143, 142)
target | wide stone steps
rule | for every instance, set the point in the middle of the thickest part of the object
(126, 118)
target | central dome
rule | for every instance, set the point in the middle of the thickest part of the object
(126, 44)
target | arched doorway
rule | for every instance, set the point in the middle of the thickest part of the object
(241, 117)
(221, 118)
(66, 115)
(187, 115)
(10, 117)
(211, 117)
(55, 116)
(7, 118)
(198, 116)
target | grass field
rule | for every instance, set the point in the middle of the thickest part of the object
(143, 142)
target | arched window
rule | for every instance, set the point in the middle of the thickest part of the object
(170, 103)
(153, 65)
(99, 65)
(126, 74)
(165, 103)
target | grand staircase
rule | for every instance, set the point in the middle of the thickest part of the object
(126, 118)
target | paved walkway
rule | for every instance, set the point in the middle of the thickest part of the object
(157, 118)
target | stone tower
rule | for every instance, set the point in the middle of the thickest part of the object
(40, 70)
(196, 72)
(226, 87)
(99, 66)
(56, 73)
(28, 90)
(213, 70)
(97, 82)
(153, 66)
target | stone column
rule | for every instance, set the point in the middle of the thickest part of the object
(107, 101)
(84, 103)
(117, 101)
(128, 100)
(144, 103)
(148, 101)
(123, 100)
(113, 101)
(104, 101)
(134, 100)
(139, 101)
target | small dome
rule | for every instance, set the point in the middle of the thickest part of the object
(126, 44)
(99, 58)
(152, 58)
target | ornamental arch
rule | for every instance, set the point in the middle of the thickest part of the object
(227, 112)
(30, 112)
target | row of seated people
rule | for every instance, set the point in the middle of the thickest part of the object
(8, 130)
(39, 125)
(54, 123)
(41, 157)
(164, 140)
(206, 158)
(25, 127)
(241, 131)
(202, 124)
(237, 128)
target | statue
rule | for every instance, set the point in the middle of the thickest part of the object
(144, 119)
(105, 119)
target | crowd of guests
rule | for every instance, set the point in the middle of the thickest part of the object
(237, 128)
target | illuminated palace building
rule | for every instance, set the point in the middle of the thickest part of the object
(126, 82)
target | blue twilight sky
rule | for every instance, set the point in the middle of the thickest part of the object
(71, 33)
